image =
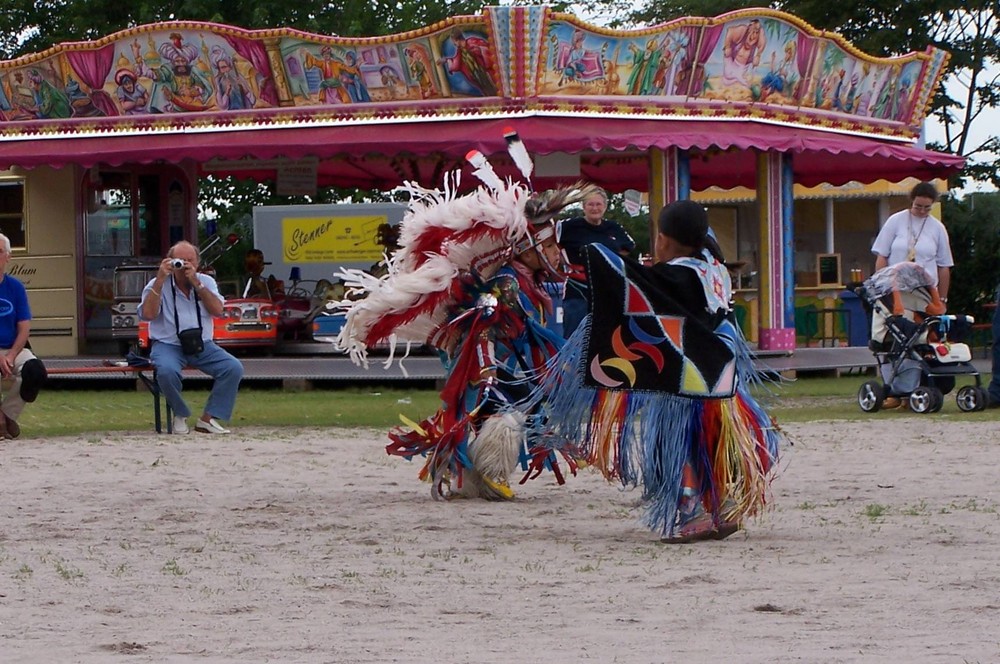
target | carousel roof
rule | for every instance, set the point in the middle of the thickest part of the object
(374, 112)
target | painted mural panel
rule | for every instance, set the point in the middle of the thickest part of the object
(846, 83)
(753, 60)
(457, 62)
(757, 59)
(333, 74)
(154, 72)
(586, 62)
(756, 63)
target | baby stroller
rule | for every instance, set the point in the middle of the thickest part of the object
(917, 346)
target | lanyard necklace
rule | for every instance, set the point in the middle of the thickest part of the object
(912, 253)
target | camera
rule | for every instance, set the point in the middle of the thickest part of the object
(176, 263)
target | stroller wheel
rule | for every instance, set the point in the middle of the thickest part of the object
(970, 398)
(926, 400)
(871, 395)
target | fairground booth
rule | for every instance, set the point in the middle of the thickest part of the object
(780, 128)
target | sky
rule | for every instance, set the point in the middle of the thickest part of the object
(982, 128)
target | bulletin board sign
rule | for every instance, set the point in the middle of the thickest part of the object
(828, 269)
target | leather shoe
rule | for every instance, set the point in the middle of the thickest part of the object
(210, 426)
(891, 402)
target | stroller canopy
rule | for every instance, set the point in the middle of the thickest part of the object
(901, 277)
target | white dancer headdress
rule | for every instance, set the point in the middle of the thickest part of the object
(445, 240)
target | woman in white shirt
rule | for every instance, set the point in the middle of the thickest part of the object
(915, 235)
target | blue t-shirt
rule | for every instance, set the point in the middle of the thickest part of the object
(13, 309)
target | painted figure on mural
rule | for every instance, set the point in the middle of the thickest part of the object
(391, 81)
(19, 100)
(352, 80)
(864, 96)
(574, 66)
(331, 87)
(232, 92)
(825, 89)
(5, 106)
(783, 76)
(882, 108)
(48, 100)
(132, 96)
(902, 101)
(838, 91)
(178, 83)
(574, 62)
(644, 66)
(851, 99)
(419, 64)
(741, 52)
(81, 105)
(675, 52)
(472, 60)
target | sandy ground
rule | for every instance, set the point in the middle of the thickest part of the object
(883, 545)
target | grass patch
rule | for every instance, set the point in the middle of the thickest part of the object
(813, 399)
(875, 511)
(65, 410)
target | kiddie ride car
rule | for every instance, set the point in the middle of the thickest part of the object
(246, 323)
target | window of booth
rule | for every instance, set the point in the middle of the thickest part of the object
(12, 211)
(124, 215)
(132, 214)
(109, 218)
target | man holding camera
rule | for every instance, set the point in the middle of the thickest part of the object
(179, 304)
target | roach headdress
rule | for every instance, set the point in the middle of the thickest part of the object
(444, 239)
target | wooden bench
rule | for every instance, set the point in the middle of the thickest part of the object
(145, 374)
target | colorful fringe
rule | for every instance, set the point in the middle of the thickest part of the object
(480, 340)
(648, 438)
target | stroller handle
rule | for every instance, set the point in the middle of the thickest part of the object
(954, 317)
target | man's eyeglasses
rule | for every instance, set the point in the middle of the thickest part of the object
(922, 208)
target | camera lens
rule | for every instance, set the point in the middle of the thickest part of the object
(176, 263)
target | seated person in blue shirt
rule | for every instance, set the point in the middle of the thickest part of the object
(179, 304)
(574, 235)
(16, 359)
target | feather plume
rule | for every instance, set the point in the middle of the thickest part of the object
(519, 153)
(442, 236)
(484, 170)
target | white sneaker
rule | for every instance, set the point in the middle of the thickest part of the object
(212, 426)
(181, 425)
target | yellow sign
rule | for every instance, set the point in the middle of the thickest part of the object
(331, 239)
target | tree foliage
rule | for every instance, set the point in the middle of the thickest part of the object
(974, 229)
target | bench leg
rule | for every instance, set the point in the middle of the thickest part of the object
(154, 390)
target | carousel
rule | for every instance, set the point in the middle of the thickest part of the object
(102, 143)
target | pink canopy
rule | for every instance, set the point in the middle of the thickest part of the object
(380, 154)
